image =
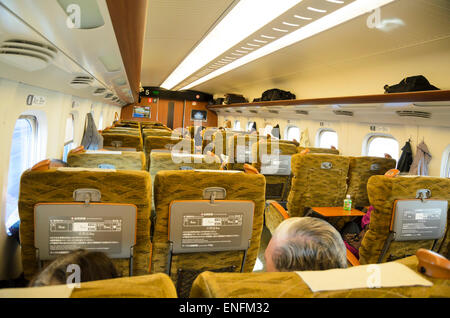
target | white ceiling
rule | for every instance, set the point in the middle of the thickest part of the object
(78, 50)
(174, 28)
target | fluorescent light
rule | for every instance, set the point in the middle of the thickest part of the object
(291, 24)
(246, 17)
(302, 18)
(316, 10)
(260, 41)
(255, 45)
(267, 36)
(336, 1)
(344, 14)
(280, 30)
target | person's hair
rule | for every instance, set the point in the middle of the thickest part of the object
(93, 266)
(307, 243)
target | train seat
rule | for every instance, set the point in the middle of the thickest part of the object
(240, 147)
(58, 185)
(146, 286)
(400, 223)
(155, 132)
(184, 145)
(319, 150)
(291, 285)
(218, 142)
(359, 172)
(318, 180)
(277, 177)
(122, 141)
(167, 161)
(127, 160)
(173, 188)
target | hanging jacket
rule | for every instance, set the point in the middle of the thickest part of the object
(92, 140)
(404, 163)
(276, 131)
(421, 161)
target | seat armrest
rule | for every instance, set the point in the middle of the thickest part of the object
(279, 209)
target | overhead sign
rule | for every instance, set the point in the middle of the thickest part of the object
(33, 100)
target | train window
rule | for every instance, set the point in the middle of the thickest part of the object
(268, 130)
(68, 139)
(237, 125)
(445, 167)
(292, 132)
(378, 146)
(23, 155)
(327, 138)
(250, 125)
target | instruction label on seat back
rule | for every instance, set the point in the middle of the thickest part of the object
(62, 228)
(198, 226)
(90, 233)
(211, 230)
(276, 165)
(417, 220)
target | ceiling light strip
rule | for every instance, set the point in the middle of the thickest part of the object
(246, 17)
(346, 13)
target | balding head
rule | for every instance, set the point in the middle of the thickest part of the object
(305, 243)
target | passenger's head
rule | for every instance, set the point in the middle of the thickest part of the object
(93, 266)
(305, 243)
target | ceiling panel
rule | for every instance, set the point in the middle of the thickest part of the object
(173, 29)
(350, 46)
(414, 29)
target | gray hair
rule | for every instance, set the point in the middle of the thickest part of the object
(306, 243)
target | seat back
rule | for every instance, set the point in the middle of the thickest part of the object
(318, 180)
(122, 141)
(359, 172)
(277, 176)
(147, 286)
(240, 147)
(292, 285)
(161, 161)
(127, 160)
(166, 142)
(58, 186)
(219, 142)
(171, 186)
(319, 150)
(380, 243)
(156, 132)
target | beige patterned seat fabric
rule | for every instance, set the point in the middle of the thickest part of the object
(58, 185)
(383, 192)
(146, 286)
(239, 142)
(189, 185)
(127, 160)
(290, 285)
(277, 186)
(165, 142)
(359, 172)
(318, 180)
(319, 150)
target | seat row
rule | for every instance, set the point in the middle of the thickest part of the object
(111, 189)
(254, 285)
